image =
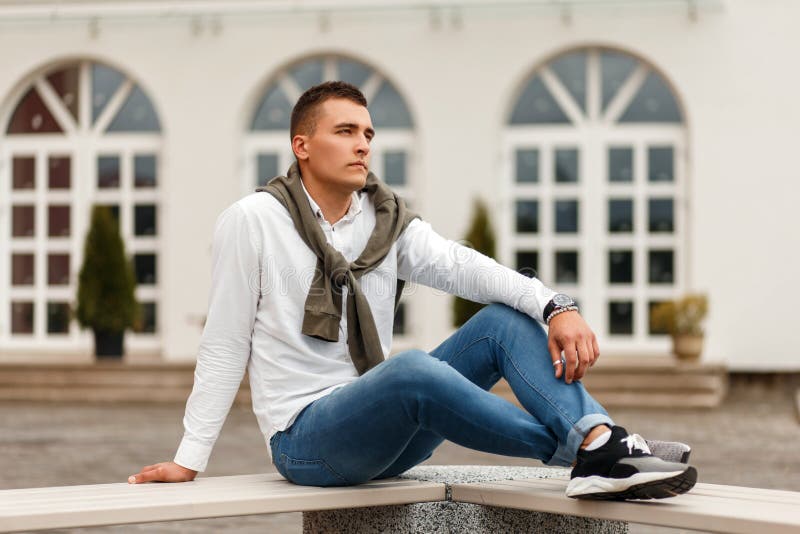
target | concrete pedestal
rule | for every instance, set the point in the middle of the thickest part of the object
(450, 517)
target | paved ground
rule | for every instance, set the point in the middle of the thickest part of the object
(752, 440)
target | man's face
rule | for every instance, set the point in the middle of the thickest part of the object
(337, 153)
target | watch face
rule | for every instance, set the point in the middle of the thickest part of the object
(563, 300)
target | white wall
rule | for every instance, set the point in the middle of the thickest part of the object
(734, 71)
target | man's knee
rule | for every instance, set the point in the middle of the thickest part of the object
(512, 320)
(415, 369)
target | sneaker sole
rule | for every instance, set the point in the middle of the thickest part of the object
(676, 483)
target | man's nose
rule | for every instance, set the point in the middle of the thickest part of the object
(362, 147)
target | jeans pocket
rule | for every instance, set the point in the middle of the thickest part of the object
(310, 472)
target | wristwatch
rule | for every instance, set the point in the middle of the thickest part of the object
(559, 301)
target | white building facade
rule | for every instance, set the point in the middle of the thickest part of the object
(630, 152)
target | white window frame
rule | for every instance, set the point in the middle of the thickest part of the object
(592, 133)
(83, 142)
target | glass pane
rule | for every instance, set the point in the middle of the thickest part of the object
(620, 317)
(57, 318)
(57, 269)
(660, 164)
(59, 172)
(566, 216)
(537, 106)
(528, 263)
(136, 115)
(571, 70)
(388, 110)
(527, 216)
(567, 267)
(653, 103)
(65, 84)
(267, 168)
(32, 116)
(399, 327)
(395, 165)
(22, 270)
(620, 164)
(274, 112)
(145, 267)
(22, 221)
(652, 329)
(620, 266)
(566, 170)
(620, 215)
(145, 220)
(148, 325)
(107, 172)
(58, 223)
(307, 74)
(144, 171)
(353, 72)
(22, 317)
(23, 170)
(662, 267)
(615, 69)
(527, 165)
(105, 82)
(662, 216)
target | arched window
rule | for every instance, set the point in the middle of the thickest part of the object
(268, 151)
(596, 144)
(78, 134)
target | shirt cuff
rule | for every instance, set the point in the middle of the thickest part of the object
(534, 297)
(192, 455)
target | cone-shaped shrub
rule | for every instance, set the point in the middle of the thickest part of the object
(106, 284)
(481, 238)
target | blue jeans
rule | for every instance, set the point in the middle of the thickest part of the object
(393, 416)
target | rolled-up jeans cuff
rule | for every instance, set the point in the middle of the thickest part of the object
(566, 452)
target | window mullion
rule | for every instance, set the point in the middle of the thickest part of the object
(112, 108)
(40, 247)
(641, 248)
(593, 230)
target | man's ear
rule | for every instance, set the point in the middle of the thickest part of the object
(299, 147)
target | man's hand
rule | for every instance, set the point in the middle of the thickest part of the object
(570, 333)
(163, 472)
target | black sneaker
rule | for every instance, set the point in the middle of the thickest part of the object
(624, 468)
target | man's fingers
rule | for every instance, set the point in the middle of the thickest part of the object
(571, 355)
(586, 355)
(555, 355)
(580, 367)
(596, 348)
(146, 475)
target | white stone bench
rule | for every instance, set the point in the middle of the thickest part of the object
(121, 503)
(707, 507)
(426, 498)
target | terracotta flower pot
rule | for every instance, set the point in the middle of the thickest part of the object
(687, 347)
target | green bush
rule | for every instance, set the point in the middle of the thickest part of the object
(481, 238)
(106, 284)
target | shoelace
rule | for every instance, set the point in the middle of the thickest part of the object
(635, 441)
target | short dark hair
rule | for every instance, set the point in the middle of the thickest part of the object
(306, 110)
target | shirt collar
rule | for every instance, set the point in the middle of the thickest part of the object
(352, 211)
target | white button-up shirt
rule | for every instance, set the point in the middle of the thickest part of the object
(261, 274)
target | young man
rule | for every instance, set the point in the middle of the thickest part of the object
(304, 280)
